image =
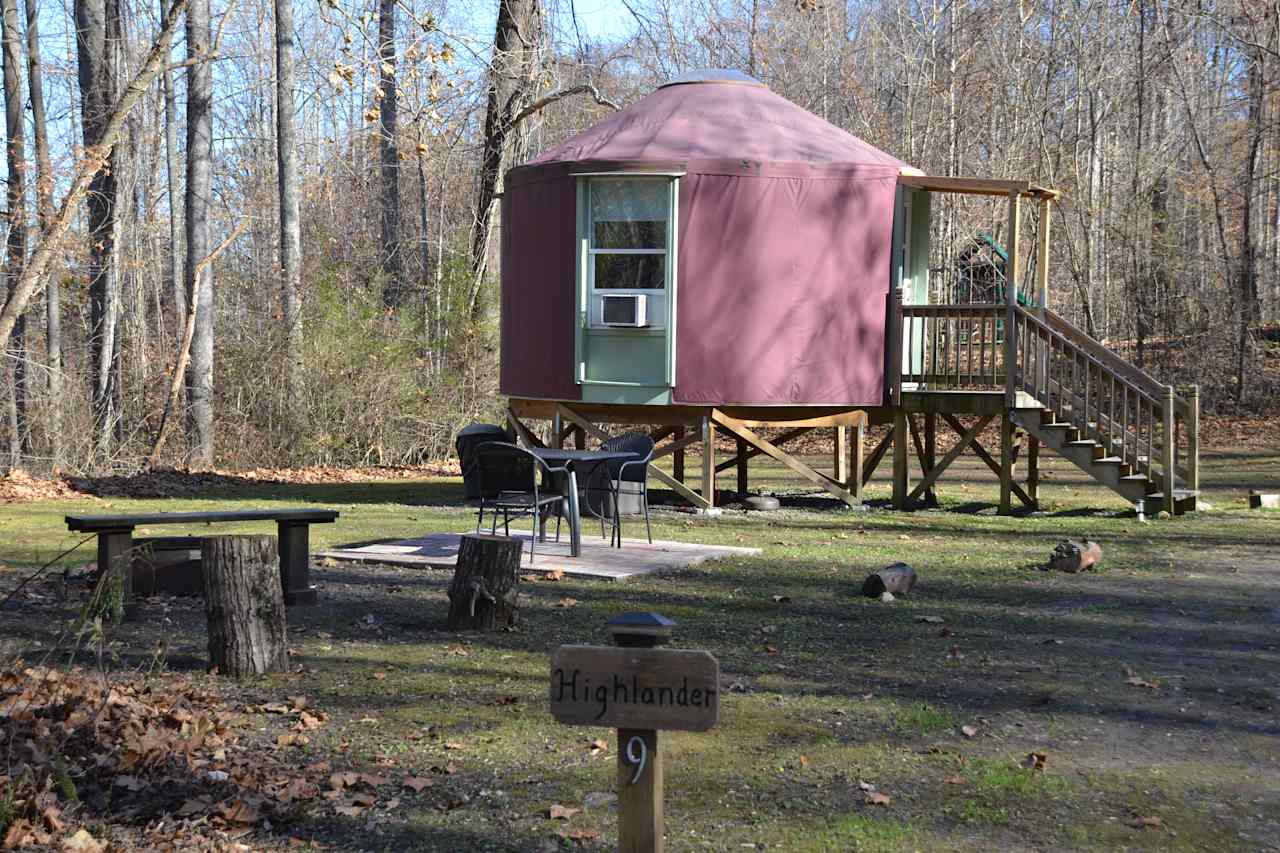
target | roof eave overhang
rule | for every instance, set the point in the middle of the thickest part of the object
(974, 186)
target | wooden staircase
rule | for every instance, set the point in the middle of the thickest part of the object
(1112, 420)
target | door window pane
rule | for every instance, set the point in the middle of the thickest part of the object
(631, 272)
(637, 234)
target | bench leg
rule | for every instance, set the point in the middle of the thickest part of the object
(115, 549)
(295, 563)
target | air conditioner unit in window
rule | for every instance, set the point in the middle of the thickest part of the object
(625, 309)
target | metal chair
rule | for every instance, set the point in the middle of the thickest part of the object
(631, 474)
(465, 443)
(508, 482)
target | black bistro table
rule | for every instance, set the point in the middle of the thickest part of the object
(573, 460)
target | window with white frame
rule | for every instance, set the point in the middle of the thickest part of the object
(628, 220)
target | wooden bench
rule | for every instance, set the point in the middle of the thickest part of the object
(115, 540)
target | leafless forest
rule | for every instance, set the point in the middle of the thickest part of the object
(248, 232)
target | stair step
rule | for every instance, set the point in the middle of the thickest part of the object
(1083, 442)
(1109, 460)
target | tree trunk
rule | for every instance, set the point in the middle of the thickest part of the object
(512, 83)
(15, 149)
(177, 287)
(244, 604)
(392, 264)
(287, 185)
(97, 32)
(485, 587)
(44, 216)
(198, 203)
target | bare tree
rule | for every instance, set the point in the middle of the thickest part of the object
(44, 215)
(15, 201)
(172, 166)
(199, 191)
(97, 32)
(513, 73)
(392, 265)
(287, 184)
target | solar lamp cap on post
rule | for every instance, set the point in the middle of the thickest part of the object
(640, 630)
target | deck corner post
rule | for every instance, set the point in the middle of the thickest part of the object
(709, 461)
(859, 460)
(1013, 273)
(1193, 439)
(1033, 470)
(677, 458)
(1006, 463)
(840, 462)
(901, 472)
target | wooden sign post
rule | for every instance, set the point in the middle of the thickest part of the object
(638, 689)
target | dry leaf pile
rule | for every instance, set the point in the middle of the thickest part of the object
(159, 763)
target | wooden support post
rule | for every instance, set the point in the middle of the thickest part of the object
(1033, 470)
(677, 459)
(859, 448)
(901, 473)
(742, 466)
(737, 428)
(1042, 255)
(580, 438)
(485, 589)
(557, 430)
(1013, 274)
(1193, 445)
(930, 453)
(639, 792)
(244, 605)
(115, 552)
(1168, 451)
(295, 563)
(709, 461)
(1006, 463)
(841, 460)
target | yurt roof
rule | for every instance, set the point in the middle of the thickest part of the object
(719, 115)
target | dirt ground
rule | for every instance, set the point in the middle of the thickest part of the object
(998, 707)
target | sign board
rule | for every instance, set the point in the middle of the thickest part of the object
(635, 688)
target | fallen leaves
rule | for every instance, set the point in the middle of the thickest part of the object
(567, 602)
(417, 783)
(598, 746)
(876, 798)
(1034, 761)
(1135, 681)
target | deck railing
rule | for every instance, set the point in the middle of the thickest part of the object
(997, 346)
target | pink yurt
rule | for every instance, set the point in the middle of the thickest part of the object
(712, 245)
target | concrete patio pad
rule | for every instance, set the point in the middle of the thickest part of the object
(598, 560)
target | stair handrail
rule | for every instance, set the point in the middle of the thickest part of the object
(1091, 345)
(1161, 398)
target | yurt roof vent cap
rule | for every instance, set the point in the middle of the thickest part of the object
(713, 75)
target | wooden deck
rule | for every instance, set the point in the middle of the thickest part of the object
(598, 560)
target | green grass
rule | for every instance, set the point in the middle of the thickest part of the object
(853, 691)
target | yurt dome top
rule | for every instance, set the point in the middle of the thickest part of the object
(720, 115)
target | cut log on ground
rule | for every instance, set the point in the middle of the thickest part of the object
(484, 592)
(897, 579)
(1072, 557)
(1257, 500)
(244, 605)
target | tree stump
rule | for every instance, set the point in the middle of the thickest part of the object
(244, 604)
(897, 579)
(485, 584)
